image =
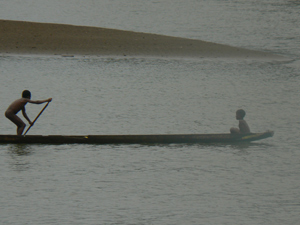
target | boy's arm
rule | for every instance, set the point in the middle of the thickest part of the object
(25, 115)
(40, 101)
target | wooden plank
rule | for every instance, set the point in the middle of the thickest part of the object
(134, 139)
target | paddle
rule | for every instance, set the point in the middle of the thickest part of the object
(36, 118)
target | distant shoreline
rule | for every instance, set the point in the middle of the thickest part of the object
(19, 37)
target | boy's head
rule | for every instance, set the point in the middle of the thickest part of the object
(240, 114)
(26, 94)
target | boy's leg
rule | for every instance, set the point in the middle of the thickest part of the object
(21, 129)
(234, 130)
(16, 120)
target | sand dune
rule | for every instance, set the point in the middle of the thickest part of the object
(19, 37)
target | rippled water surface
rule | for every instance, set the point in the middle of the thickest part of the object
(255, 183)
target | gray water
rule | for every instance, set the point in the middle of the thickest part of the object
(255, 183)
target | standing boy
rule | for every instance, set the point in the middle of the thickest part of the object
(18, 105)
(243, 126)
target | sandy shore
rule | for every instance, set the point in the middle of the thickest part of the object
(42, 38)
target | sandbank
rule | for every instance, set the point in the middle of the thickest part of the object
(19, 37)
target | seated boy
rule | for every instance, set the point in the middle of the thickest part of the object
(243, 126)
(18, 105)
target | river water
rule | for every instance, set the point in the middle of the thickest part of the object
(255, 183)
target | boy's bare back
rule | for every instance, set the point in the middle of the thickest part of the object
(244, 128)
(17, 105)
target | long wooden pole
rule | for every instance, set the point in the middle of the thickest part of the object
(36, 118)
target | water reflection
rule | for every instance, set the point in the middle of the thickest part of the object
(293, 3)
(20, 149)
(18, 153)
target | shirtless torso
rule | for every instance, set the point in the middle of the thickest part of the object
(17, 106)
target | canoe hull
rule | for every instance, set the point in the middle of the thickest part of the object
(134, 139)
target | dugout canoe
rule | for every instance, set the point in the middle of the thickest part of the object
(134, 139)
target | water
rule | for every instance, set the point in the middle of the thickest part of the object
(255, 183)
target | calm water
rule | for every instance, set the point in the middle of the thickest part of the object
(254, 183)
